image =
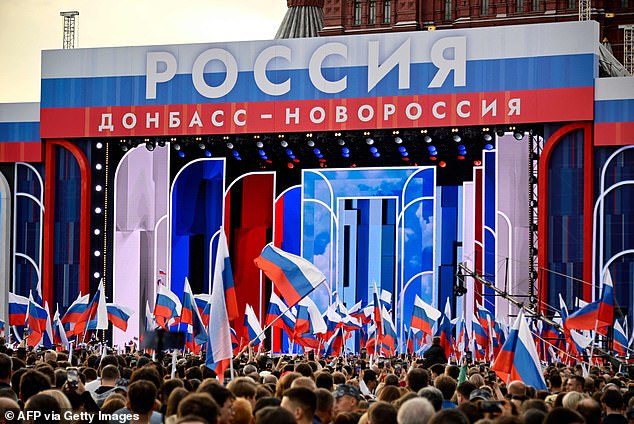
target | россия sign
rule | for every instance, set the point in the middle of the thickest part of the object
(485, 76)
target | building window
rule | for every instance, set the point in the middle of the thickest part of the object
(387, 11)
(447, 10)
(372, 12)
(485, 7)
(572, 4)
(519, 6)
(357, 12)
(535, 5)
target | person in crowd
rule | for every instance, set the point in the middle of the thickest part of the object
(325, 405)
(301, 402)
(576, 383)
(415, 411)
(447, 387)
(6, 371)
(435, 354)
(347, 398)
(612, 403)
(382, 413)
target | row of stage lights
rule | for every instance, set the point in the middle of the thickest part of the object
(483, 137)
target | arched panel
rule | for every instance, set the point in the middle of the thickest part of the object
(5, 244)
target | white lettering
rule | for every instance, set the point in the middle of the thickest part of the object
(129, 116)
(240, 122)
(400, 57)
(317, 119)
(458, 64)
(106, 122)
(195, 120)
(315, 71)
(152, 120)
(231, 73)
(294, 115)
(491, 107)
(418, 111)
(214, 118)
(175, 120)
(435, 110)
(259, 71)
(388, 110)
(365, 117)
(459, 109)
(514, 107)
(153, 76)
(341, 114)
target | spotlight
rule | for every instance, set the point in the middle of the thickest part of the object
(488, 147)
(345, 152)
(98, 167)
(369, 141)
(150, 145)
(457, 138)
(427, 139)
(97, 253)
(181, 154)
(98, 188)
(97, 231)
(442, 164)
(229, 146)
(161, 142)
(341, 142)
(96, 275)
(259, 144)
(201, 146)
(499, 132)
(97, 210)
(373, 150)
(487, 137)
(316, 151)
(518, 135)
(398, 140)
(284, 143)
(207, 153)
(177, 146)
(99, 145)
(310, 143)
(477, 162)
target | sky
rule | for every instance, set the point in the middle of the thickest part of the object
(29, 26)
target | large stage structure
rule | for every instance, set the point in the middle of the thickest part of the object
(387, 158)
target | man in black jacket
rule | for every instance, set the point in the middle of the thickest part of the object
(435, 354)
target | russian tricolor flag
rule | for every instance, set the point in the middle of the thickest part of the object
(119, 315)
(518, 359)
(445, 329)
(479, 333)
(424, 316)
(2, 325)
(223, 261)
(309, 319)
(36, 321)
(277, 308)
(204, 307)
(252, 328)
(597, 314)
(167, 306)
(59, 334)
(76, 309)
(18, 306)
(620, 339)
(377, 311)
(293, 276)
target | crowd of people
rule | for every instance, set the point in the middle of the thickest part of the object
(137, 387)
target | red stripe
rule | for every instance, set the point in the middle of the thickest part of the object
(22, 151)
(547, 105)
(118, 322)
(613, 133)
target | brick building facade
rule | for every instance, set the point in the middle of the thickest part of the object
(367, 16)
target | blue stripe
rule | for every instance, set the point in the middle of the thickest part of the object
(293, 273)
(19, 131)
(492, 75)
(614, 111)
